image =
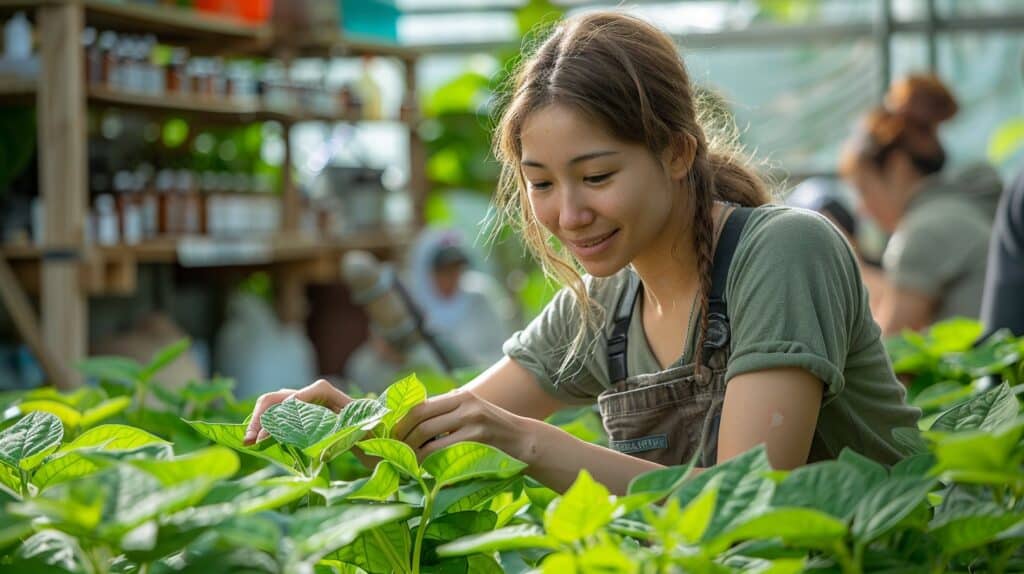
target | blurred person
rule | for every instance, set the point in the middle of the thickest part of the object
(466, 310)
(933, 267)
(1003, 302)
(824, 195)
(708, 321)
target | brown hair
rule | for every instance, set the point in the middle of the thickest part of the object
(908, 121)
(627, 75)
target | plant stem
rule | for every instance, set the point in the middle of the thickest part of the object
(846, 562)
(23, 475)
(417, 549)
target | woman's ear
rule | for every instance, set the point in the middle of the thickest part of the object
(679, 155)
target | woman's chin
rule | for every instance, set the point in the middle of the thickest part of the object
(601, 268)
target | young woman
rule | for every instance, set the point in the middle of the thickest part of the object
(603, 153)
(940, 221)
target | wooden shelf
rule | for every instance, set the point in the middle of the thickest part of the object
(204, 33)
(228, 251)
(332, 43)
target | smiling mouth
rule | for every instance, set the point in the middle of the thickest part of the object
(595, 241)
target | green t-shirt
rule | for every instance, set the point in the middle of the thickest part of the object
(940, 249)
(795, 299)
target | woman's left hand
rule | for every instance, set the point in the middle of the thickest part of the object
(460, 416)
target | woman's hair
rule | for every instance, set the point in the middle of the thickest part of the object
(907, 121)
(626, 75)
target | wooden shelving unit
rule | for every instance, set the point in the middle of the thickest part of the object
(65, 271)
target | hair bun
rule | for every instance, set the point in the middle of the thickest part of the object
(923, 99)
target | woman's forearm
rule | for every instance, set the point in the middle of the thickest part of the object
(555, 458)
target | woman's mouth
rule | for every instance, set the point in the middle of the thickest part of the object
(592, 246)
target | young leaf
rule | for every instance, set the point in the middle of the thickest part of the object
(661, 482)
(213, 463)
(57, 550)
(980, 457)
(233, 435)
(510, 538)
(381, 485)
(696, 517)
(70, 417)
(163, 358)
(399, 399)
(396, 452)
(986, 412)
(104, 410)
(354, 421)
(295, 423)
(113, 369)
(605, 557)
(468, 460)
(62, 468)
(30, 440)
(885, 505)
(744, 491)
(264, 495)
(382, 550)
(583, 510)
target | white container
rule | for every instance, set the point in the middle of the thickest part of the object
(18, 38)
(105, 220)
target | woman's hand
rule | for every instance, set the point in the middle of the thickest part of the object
(460, 415)
(321, 392)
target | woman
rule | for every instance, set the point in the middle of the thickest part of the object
(602, 151)
(934, 264)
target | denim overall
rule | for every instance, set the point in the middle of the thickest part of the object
(670, 416)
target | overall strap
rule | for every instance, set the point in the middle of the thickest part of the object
(717, 336)
(620, 329)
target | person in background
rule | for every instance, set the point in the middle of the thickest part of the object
(823, 195)
(1003, 302)
(708, 322)
(466, 310)
(933, 267)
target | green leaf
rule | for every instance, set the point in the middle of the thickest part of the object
(233, 436)
(396, 452)
(104, 410)
(987, 412)
(25, 445)
(973, 529)
(467, 460)
(834, 487)
(264, 495)
(909, 440)
(984, 457)
(470, 495)
(872, 471)
(383, 550)
(163, 358)
(696, 517)
(55, 549)
(113, 437)
(317, 532)
(458, 524)
(114, 369)
(63, 468)
(744, 490)
(213, 463)
(299, 424)
(885, 505)
(381, 485)
(661, 482)
(916, 465)
(606, 557)
(583, 510)
(354, 421)
(399, 399)
(517, 537)
(70, 417)
(799, 527)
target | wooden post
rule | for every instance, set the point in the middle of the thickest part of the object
(61, 110)
(417, 151)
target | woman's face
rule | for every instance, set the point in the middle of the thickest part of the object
(876, 195)
(606, 200)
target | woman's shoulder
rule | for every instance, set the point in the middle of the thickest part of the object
(778, 228)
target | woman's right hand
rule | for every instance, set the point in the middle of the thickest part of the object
(321, 392)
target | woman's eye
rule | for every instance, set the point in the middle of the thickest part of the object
(540, 185)
(596, 179)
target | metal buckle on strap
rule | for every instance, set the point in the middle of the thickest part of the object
(717, 336)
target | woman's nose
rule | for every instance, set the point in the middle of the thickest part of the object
(575, 212)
